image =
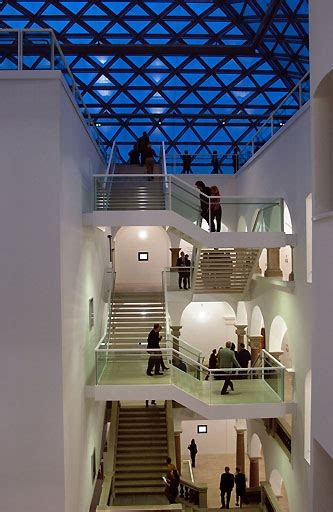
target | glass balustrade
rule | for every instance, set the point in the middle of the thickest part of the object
(177, 278)
(222, 163)
(128, 367)
(141, 192)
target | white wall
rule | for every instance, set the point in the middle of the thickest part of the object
(84, 256)
(283, 169)
(141, 275)
(31, 426)
(205, 325)
(220, 437)
(50, 267)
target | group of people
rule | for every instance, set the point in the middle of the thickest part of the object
(228, 357)
(184, 271)
(227, 483)
(143, 154)
(210, 205)
(216, 161)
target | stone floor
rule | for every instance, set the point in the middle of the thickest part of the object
(208, 471)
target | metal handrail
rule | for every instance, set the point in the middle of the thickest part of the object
(270, 118)
(54, 44)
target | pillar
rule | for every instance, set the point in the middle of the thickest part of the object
(240, 448)
(254, 472)
(175, 331)
(291, 275)
(174, 256)
(240, 331)
(273, 263)
(256, 344)
(178, 453)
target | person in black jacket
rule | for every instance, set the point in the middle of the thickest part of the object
(204, 201)
(153, 346)
(181, 263)
(192, 447)
(240, 482)
(226, 486)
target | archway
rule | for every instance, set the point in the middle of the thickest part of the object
(276, 334)
(257, 322)
(241, 316)
(285, 252)
(242, 226)
(257, 472)
(199, 317)
(279, 489)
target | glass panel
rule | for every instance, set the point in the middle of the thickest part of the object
(179, 279)
(9, 50)
(37, 50)
(202, 164)
(185, 201)
(305, 91)
(252, 385)
(263, 135)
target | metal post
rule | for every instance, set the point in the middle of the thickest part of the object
(169, 192)
(272, 126)
(300, 94)
(252, 146)
(52, 51)
(19, 50)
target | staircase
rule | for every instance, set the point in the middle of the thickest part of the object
(141, 193)
(132, 316)
(142, 448)
(225, 270)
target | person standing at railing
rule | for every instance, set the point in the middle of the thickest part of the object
(215, 209)
(149, 158)
(216, 163)
(187, 160)
(226, 359)
(243, 356)
(181, 264)
(153, 346)
(204, 201)
(143, 143)
(187, 279)
(235, 158)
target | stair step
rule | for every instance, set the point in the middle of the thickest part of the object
(142, 490)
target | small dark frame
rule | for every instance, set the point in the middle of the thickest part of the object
(143, 256)
(202, 429)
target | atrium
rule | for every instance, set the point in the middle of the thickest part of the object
(134, 132)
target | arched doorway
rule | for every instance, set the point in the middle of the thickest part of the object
(279, 489)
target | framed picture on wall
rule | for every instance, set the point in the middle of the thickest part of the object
(202, 429)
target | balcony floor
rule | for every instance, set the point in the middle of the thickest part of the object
(247, 391)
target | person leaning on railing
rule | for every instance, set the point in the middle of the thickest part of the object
(204, 201)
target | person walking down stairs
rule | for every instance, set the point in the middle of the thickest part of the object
(193, 451)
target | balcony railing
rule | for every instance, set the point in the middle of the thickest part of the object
(38, 49)
(140, 192)
(123, 366)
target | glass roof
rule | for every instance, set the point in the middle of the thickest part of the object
(197, 74)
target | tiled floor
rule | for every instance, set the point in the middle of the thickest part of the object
(246, 390)
(208, 471)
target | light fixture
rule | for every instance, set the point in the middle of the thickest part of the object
(159, 122)
(143, 235)
(98, 125)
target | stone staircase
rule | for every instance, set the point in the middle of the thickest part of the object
(142, 448)
(225, 270)
(132, 316)
(131, 193)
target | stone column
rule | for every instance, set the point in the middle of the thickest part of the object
(175, 331)
(174, 256)
(240, 448)
(291, 275)
(255, 343)
(254, 471)
(178, 452)
(240, 331)
(273, 263)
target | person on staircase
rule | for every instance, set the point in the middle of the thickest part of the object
(143, 143)
(134, 156)
(226, 359)
(149, 159)
(240, 483)
(172, 484)
(155, 360)
(192, 447)
(215, 209)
